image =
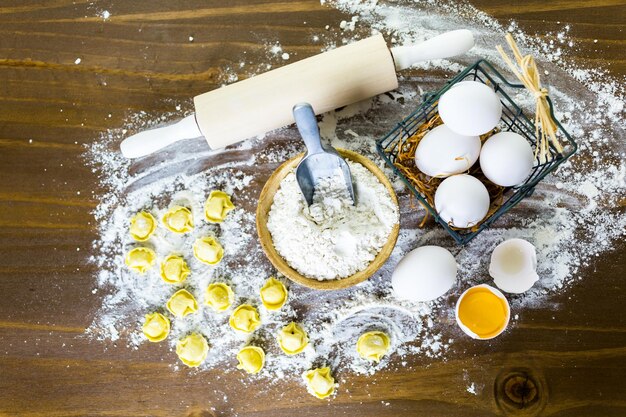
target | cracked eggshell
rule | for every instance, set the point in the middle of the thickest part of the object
(442, 152)
(513, 266)
(470, 108)
(424, 274)
(507, 159)
(462, 200)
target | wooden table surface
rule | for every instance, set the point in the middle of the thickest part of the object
(137, 60)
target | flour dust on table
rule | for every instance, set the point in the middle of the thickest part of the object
(572, 217)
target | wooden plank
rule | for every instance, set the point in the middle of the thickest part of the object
(572, 357)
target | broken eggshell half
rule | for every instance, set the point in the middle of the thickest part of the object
(513, 266)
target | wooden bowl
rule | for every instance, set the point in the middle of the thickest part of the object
(265, 203)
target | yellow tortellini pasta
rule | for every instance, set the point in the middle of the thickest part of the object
(319, 382)
(273, 294)
(156, 327)
(142, 225)
(373, 345)
(292, 339)
(245, 319)
(217, 206)
(140, 259)
(182, 303)
(251, 359)
(192, 349)
(219, 296)
(208, 250)
(174, 269)
(178, 219)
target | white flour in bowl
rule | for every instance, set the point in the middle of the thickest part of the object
(332, 238)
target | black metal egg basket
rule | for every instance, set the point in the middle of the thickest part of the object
(513, 119)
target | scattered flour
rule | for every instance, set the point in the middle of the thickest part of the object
(332, 238)
(573, 216)
(471, 388)
(276, 49)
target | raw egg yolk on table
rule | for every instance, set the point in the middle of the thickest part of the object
(483, 312)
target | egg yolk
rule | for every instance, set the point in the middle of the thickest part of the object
(483, 312)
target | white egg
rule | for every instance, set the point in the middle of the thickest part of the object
(513, 266)
(507, 159)
(442, 152)
(470, 108)
(462, 200)
(424, 274)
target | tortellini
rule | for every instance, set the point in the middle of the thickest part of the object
(192, 349)
(140, 259)
(208, 250)
(245, 319)
(273, 294)
(219, 296)
(182, 303)
(292, 339)
(156, 327)
(217, 206)
(142, 225)
(319, 382)
(178, 219)
(174, 269)
(373, 345)
(251, 359)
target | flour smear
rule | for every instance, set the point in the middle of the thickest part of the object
(573, 216)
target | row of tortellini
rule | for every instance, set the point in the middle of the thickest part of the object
(292, 338)
(179, 219)
(370, 345)
(191, 350)
(245, 319)
(174, 269)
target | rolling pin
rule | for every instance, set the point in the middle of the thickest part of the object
(327, 81)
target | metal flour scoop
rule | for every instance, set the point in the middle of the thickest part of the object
(320, 161)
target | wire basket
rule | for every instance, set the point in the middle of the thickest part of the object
(513, 119)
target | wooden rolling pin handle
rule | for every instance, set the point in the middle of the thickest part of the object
(446, 45)
(149, 141)
(336, 78)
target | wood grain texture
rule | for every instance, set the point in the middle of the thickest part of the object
(573, 356)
